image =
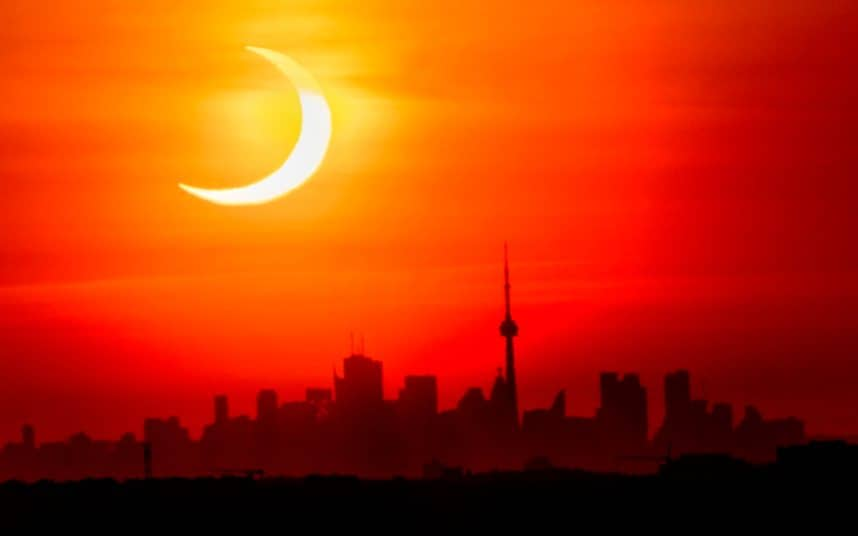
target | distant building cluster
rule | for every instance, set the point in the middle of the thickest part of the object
(355, 430)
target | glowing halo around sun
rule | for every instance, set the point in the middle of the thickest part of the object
(306, 156)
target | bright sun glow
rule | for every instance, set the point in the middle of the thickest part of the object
(309, 150)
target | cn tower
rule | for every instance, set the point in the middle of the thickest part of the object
(509, 330)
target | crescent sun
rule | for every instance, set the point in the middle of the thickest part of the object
(306, 156)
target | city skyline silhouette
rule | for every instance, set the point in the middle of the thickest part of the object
(351, 428)
(442, 266)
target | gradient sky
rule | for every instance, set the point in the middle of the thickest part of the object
(677, 181)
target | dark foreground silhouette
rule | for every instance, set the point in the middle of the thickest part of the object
(810, 483)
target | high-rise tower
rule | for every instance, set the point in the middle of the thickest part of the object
(509, 330)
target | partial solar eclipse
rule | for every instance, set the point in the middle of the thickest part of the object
(306, 156)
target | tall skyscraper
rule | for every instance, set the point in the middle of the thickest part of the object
(623, 409)
(509, 330)
(360, 388)
(266, 405)
(221, 409)
(677, 394)
(418, 400)
(28, 436)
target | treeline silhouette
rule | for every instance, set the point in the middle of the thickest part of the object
(807, 488)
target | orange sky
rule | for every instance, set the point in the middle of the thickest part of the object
(676, 180)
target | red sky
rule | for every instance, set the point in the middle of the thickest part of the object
(677, 181)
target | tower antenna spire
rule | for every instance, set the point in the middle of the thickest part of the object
(506, 280)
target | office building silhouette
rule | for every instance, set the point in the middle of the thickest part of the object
(352, 428)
